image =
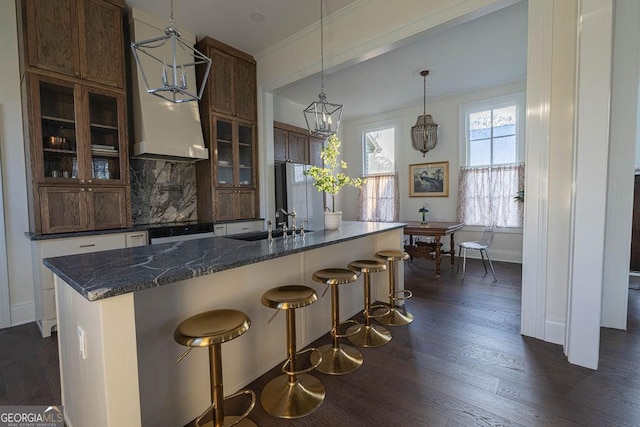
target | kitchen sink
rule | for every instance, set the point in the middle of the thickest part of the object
(261, 235)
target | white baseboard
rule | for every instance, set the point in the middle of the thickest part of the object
(22, 313)
(554, 332)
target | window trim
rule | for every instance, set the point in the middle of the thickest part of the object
(381, 125)
(464, 110)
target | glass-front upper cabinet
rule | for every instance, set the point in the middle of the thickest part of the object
(224, 153)
(246, 152)
(105, 136)
(85, 147)
(234, 153)
(58, 130)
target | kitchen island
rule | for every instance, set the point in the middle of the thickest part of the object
(117, 311)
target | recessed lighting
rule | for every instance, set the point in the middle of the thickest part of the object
(257, 17)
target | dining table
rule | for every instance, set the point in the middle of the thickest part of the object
(431, 250)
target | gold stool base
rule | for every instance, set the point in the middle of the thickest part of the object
(369, 336)
(337, 361)
(283, 399)
(393, 318)
(231, 419)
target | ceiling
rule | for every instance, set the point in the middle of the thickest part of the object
(473, 55)
(230, 21)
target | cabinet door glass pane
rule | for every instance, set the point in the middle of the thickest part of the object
(224, 155)
(245, 150)
(105, 141)
(59, 145)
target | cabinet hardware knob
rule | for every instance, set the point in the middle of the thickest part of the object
(89, 181)
(83, 189)
(88, 246)
(82, 181)
(90, 189)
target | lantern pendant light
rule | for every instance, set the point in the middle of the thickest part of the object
(161, 64)
(322, 117)
(424, 134)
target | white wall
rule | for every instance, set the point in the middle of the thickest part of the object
(506, 246)
(14, 184)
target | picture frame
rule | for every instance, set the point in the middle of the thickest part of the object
(429, 179)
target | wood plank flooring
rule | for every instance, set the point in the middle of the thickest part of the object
(462, 362)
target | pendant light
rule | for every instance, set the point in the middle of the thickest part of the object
(424, 134)
(166, 62)
(322, 117)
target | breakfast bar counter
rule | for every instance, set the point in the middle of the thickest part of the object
(117, 311)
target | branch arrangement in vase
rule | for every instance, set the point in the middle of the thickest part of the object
(330, 178)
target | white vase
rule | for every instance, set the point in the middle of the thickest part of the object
(333, 220)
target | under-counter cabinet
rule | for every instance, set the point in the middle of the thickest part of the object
(237, 227)
(78, 38)
(78, 156)
(44, 292)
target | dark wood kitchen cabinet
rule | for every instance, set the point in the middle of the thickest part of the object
(76, 144)
(227, 182)
(231, 87)
(78, 38)
(74, 111)
(290, 146)
(79, 208)
(295, 145)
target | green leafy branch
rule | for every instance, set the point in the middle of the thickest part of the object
(329, 178)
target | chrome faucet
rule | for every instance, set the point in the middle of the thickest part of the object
(284, 230)
(293, 223)
(269, 230)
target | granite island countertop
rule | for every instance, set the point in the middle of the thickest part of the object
(106, 274)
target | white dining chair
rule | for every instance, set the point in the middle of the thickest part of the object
(481, 245)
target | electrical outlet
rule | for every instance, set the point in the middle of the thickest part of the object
(82, 342)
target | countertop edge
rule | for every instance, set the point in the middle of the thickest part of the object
(168, 277)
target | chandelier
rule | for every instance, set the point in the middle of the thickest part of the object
(424, 134)
(322, 117)
(170, 61)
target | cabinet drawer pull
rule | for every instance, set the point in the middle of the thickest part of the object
(90, 189)
(89, 181)
(88, 246)
(83, 189)
(136, 235)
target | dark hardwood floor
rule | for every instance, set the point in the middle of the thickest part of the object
(462, 362)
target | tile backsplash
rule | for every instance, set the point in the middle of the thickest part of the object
(162, 191)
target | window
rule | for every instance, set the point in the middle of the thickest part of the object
(379, 197)
(492, 151)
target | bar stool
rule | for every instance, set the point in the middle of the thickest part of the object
(369, 335)
(297, 393)
(336, 359)
(394, 317)
(210, 329)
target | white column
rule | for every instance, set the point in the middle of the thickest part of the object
(590, 185)
(624, 109)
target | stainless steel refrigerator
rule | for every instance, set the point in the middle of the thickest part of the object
(295, 190)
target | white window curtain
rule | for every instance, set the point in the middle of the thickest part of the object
(486, 194)
(379, 198)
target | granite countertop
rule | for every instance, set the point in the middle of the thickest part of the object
(106, 274)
